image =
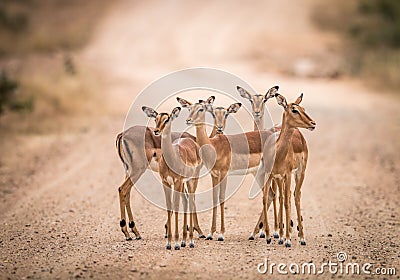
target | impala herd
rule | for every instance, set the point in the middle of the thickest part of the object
(271, 155)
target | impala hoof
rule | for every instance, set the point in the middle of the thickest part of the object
(303, 242)
(183, 244)
(288, 244)
(280, 242)
(177, 247)
(209, 237)
(251, 237)
(202, 236)
(268, 240)
(165, 235)
(138, 237)
(276, 235)
(191, 244)
(168, 247)
(129, 238)
(220, 237)
(262, 234)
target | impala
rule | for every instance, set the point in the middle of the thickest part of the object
(218, 151)
(299, 143)
(286, 162)
(179, 163)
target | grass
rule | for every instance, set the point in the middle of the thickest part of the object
(371, 31)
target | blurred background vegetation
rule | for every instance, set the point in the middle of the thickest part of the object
(371, 32)
(39, 76)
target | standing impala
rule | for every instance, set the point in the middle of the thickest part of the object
(179, 163)
(139, 149)
(218, 151)
(299, 143)
(286, 162)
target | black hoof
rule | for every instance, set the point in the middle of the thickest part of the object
(129, 239)
(220, 238)
(183, 244)
(209, 238)
(303, 242)
(287, 245)
(168, 247)
(165, 236)
(262, 235)
(276, 235)
(251, 237)
(191, 245)
(280, 242)
(138, 237)
(202, 236)
(177, 247)
(268, 240)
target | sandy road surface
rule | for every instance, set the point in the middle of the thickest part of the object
(63, 222)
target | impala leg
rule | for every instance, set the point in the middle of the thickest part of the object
(168, 203)
(192, 214)
(265, 209)
(192, 186)
(132, 224)
(122, 192)
(222, 193)
(215, 203)
(299, 178)
(281, 224)
(185, 223)
(177, 196)
(274, 189)
(288, 199)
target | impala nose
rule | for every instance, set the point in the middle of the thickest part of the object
(189, 121)
(156, 132)
(220, 129)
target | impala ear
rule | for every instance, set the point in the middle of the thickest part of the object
(183, 102)
(151, 113)
(299, 99)
(281, 100)
(271, 93)
(210, 100)
(234, 108)
(243, 93)
(175, 112)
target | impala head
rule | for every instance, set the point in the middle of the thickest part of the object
(220, 114)
(162, 119)
(295, 115)
(258, 100)
(197, 111)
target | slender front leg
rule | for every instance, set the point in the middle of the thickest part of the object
(185, 201)
(288, 208)
(177, 195)
(274, 188)
(222, 193)
(122, 192)
(168, 203)
(215, 203)
(281, 224)
(191, 209)
(265, 209)
(299, 178)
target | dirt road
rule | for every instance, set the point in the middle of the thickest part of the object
(63, 222)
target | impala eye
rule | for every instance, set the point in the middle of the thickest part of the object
(294, 111)
(201, 110)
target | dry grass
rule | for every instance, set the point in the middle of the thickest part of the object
(369, 56)
(43, 26)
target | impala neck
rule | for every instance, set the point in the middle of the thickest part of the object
(166, 144)
(284, 140)
(259, 123)
(213, 132)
